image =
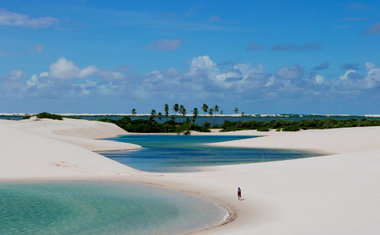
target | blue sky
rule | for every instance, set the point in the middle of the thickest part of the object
(260, 56)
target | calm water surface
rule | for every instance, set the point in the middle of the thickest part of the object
(101, 208)
(174, 153)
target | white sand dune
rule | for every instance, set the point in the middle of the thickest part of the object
(83, 133)
(333, 194)
(33, 150)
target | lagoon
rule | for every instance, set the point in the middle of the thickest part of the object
(178, 153)
(101, 208)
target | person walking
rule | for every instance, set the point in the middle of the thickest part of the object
(239, 193)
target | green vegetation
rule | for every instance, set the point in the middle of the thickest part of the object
(49, 115)
(26, 117)
(297, 125)
(151, 126)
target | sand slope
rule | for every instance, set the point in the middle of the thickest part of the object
(334, 194)
(340, 140)
(83, 133)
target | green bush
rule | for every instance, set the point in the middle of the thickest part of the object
(49, 116)
(291, 128)
(263, 129)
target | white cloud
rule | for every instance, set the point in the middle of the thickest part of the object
(201, 80)
(293, 72)
(88, 71)
(319, 79)
(16, 74)
(35, 80)
(373, 75)
(64, 69)
(369, 65)
(16, 19)
(347, 74)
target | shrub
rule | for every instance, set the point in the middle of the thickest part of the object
(49, 116)
(291, 128)
(263, 128)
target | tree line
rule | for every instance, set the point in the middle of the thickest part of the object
(180, 109)
(292, 125)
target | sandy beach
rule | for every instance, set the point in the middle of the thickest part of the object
(332, 194)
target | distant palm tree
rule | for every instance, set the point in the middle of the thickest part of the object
(159, 116)
(176, 108)
(166, 110)
(216, 108)
(152, 114)
(195, 114)
(242, 114)
(236, 110)
(133, 111)
(182, 110)
(221, 112)
(205, 108)
(211, 112)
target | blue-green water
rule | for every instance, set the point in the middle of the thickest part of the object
(173, 153)
(101, 208)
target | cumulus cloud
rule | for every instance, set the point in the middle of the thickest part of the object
(202, 79)
(64, 69)
(254, 47)
(165, 45)
(293, 72)
(293, 47)
(15, 19)
(323, 66)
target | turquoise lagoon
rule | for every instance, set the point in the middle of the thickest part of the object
(178, 153)
(101, 208)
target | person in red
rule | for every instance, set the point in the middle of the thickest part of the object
(239, 193)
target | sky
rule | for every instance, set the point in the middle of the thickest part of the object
(263, 56)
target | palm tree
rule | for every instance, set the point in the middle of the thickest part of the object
(205, 108)
(236, 110)
(211, 112)
(182, 110)
(242, 114)
(216, 108)
(195, 114)
(152, 114)
(166, 110)
(159, 116)
(133, 111)
(221, 112)
(176, 108)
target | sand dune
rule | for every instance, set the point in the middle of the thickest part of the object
(31, 150)
(82, 133)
